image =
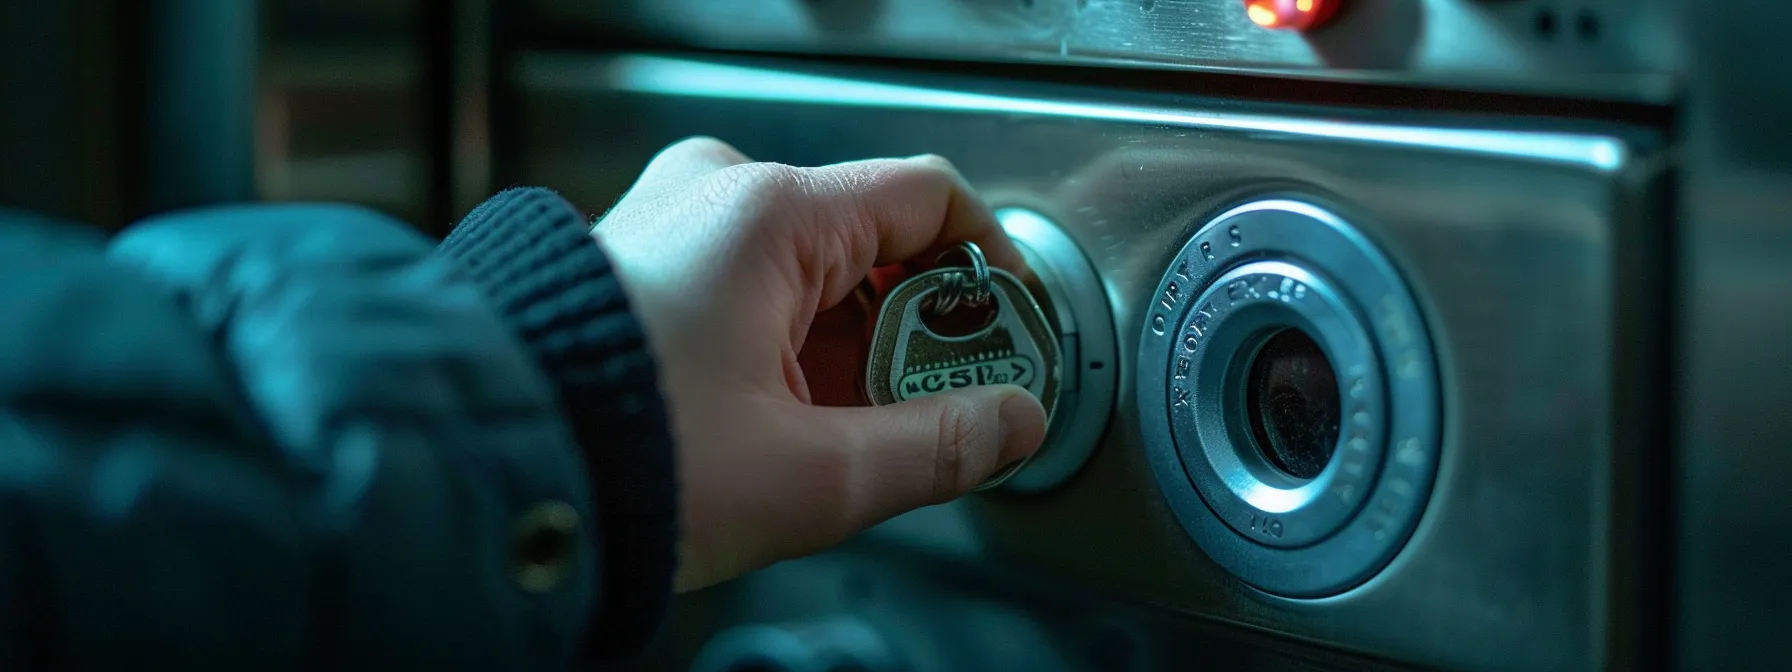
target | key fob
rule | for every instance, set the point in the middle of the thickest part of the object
(954, 327)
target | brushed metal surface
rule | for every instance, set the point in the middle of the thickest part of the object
(1623, 49)
(1507, 238)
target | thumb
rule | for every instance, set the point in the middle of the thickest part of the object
(932, 449)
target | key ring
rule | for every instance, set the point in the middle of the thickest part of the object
(952, 287)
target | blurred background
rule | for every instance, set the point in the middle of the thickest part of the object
(120, 109)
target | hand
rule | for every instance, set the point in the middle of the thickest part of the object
(733, 267)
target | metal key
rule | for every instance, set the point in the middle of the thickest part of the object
(910, 359)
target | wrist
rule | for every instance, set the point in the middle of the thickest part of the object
(539, 262)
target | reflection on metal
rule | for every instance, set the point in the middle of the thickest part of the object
(700, 79)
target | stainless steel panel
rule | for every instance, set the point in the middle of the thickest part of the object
(1509, 239)
(1624, 49)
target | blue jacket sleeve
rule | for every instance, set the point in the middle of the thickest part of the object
(283, 437)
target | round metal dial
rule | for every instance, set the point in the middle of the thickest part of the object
(1277, 327)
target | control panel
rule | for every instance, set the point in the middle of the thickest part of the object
(1345, 380)
(1603, 49)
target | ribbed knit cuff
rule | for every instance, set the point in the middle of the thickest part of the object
(533, 253)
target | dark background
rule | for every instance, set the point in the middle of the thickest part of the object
(115, 109)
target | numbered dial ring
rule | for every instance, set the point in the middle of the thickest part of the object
(1288, 399)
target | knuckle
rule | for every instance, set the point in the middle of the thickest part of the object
(750, 184)
(935, 162)
(849, 220)
(831, 473)
(831, 496)
(764, 178)
(852, 231)
(705, 147)
(933, 169)
(954, 463)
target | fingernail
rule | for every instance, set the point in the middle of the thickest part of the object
(935, 161)
(1023, 426)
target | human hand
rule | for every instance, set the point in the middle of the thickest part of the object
(733, 267)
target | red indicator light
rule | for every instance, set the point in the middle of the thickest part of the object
(1290, 14)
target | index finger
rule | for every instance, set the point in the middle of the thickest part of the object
(896, 210)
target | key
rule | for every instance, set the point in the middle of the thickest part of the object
(957, 326)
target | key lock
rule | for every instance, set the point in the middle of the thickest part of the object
(966, 323)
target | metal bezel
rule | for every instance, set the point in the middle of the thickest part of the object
(1348, 543)
(1079, 310)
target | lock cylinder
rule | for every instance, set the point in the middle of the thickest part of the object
(1072, 296)
(1288, 399)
